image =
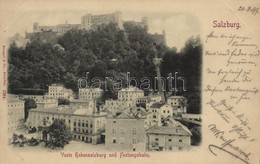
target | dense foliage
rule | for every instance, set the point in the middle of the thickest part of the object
(59, 134)
(63, 102)
(29, 104)
(105, 52)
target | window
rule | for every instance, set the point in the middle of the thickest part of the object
(134, 131)
(113, 130)
(170, 147)
(114, 140)
(122, 140)
(170, 140)
(154, 116)
(180, 140)
(156, 139)
(114, 121)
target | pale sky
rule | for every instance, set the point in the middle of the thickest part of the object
(178, 26)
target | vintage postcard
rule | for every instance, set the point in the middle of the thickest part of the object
(130, 81)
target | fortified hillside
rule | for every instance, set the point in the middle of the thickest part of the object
(107, 51)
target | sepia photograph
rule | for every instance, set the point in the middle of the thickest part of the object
(109, 81)
(129, 82)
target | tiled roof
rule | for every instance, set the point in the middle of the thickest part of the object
(81, 112)
(57, 110)
(132, 113)
(170, 129)
(175, 97)
(157, 105)
(125, 115)
(68, 110)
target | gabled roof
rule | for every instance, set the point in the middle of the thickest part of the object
(157, 105)
(175, 97)
(125, 115)
(175, 128)
(132, 113)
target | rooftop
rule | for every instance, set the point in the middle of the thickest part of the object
(81, 100)
(13, 98)
(56, 110)
(132, 113)
(170, 129)
(157, 105)
(175, 97)
(90, 89)
(67, 110)
(131, 88)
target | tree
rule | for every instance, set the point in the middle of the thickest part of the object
(60, 134)
(63, 102)
(196, 135)
(29, 104)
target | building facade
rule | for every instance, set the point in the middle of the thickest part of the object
(47, 103)
(15, 114)
(143, 23)
(84, 126)
(90, 93)
(60, 28)
(116, 105)
(57, 91)
(89, 21)
(159, 112)
(171, 137)
(127, 97)
(130, 94)
(148, 101)
(88, 128)
(36, 98)
(179, 105)
(126, 131)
